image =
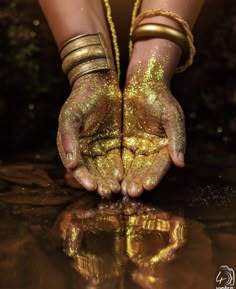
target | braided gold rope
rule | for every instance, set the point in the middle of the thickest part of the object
(136, 7)
(184, 25)
(113, 34)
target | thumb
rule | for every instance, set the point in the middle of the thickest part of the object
(175, 130)
(68, 138)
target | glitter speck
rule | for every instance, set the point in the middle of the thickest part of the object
(33, 34)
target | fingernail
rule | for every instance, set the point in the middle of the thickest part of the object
(181, 157)
(69, 157)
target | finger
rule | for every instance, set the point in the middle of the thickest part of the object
(159, 165)
(73, 240)
(80, 174)
(103, 187)
(116, 164)
(136, 187)
(128, 186)
(106, 170)
(85, 178)
(69, 124)
(71, 181)
(61, 149)
(175, 130)
(127, 158)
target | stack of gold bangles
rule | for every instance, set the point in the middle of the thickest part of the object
(182, 37)
(85, 54)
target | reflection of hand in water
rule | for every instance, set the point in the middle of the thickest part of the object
(87, 234)
(150, 259)
(149, 229)
(104, 240)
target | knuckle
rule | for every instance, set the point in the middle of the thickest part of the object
(176, 112)
(173, 110)
(180, 109)
(70, 114)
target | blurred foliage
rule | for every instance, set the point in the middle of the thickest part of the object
(33, 87)
(207, 90)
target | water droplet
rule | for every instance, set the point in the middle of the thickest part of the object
(33, 34)
(31, 106)
(36, 22)
(225, 139)
(37, 157)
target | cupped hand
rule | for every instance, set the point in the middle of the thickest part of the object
(89, 133)
(154, 130)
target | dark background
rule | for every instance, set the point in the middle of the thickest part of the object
(33, 88)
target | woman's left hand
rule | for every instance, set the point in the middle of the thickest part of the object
(154, 129)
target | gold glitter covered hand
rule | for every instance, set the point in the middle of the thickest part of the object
(154, 132)
(89, 134)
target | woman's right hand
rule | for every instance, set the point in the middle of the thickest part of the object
(89, 133)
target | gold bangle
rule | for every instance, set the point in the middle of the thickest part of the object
(183, 24)
(77, 56)
(80, 42)
(95, 65)
(85, 54)
(151, 30)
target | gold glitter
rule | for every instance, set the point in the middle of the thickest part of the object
(143, 132)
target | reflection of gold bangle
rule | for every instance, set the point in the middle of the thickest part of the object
(85, 54)
(95, 65)
(160, 31)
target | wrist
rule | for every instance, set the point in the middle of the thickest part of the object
(163, 51)
(101, 78)
(85, 54)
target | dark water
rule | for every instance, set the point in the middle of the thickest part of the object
(178, 236)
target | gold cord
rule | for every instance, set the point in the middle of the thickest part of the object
(184, 25)
(136, 7)
(113, 34)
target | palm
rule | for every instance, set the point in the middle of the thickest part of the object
(143, 129)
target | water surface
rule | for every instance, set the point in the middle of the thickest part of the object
(53, 236)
